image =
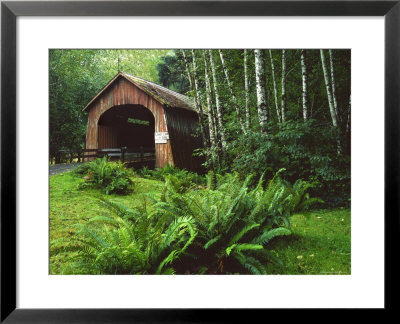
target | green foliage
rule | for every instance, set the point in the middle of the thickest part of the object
(130, 241)
(112, 177)
(305, 149)
(234, 222)
(223, 229)
(180, 178)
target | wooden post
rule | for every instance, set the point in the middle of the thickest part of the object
(79, 155)
(70, 156)
(123, 154)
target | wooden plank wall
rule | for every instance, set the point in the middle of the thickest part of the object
(107, 137)
(123, 92)
(184, 138)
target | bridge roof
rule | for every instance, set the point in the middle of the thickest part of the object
(164, 95)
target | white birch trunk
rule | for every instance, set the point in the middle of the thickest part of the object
(278, 113)
(304, 77)
(187, 69)
(198, 100)
(211, 113)
(330, 99)
(221, 127)
(230, 87)
(246, 90)
(328, 89)
(348, 117)
(283, 94)
(333, 85)
(259, 57)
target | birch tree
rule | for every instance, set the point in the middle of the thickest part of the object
(278, 113)
(304, 78)
(230, 87)
(211, 114)
(246, 89)
(330, 97)
(198, 101)
(283, 94)
(348, 117)
(335, 105)
(262, 107)
(221, 127)
(328, 89)
(187, 69)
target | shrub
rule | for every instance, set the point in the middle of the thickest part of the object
(181, 177)
(112, 177)
(126, 241)
(235, 223)
(307, 150)
(220, 229)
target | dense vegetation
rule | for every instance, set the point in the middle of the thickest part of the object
(276, 127)
(305, 111)
(166, 227)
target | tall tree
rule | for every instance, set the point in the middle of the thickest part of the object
(246, 89)
(278, 112)
(230, 87)
(211, 113)
(198, 101)
(328, 89)
(348, 117)
(328, 86)
(221, 127)
(283, 93)
(189, 74)
(304, 78)
(335, 105)
(259, 56)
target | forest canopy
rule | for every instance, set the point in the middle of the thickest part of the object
(260, 110)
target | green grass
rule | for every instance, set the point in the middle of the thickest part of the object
(320, 243)
(70, 206)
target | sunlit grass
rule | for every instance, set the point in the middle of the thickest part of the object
(320, 244)
(70, 206)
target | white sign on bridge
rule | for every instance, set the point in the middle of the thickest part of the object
(161, 137)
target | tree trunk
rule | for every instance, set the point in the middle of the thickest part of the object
(335, 105)
(283, 98)
(198, 101)
(304, 77)
(278, 113)
(187, 69)
(330, 99)
(220, 127)
(259, 57)
(246, 89)
(230, 87)
(328, 89)
(348, 117)
(211, 113)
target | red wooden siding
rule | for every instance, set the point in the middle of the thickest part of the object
(108, 137)
(123, 92)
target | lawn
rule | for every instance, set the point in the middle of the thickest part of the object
(320, 243)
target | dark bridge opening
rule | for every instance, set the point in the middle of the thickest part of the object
(130, 126)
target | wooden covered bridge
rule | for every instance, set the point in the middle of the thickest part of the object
(146, 119)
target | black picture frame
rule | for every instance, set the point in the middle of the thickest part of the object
(10, 10)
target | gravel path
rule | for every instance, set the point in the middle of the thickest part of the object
(62, 167)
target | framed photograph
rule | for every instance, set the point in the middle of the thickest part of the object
(140, 80)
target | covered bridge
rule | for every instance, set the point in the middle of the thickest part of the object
(137, 114)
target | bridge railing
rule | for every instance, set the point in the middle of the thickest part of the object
(125, 154)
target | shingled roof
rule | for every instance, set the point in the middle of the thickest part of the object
(165, 96)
